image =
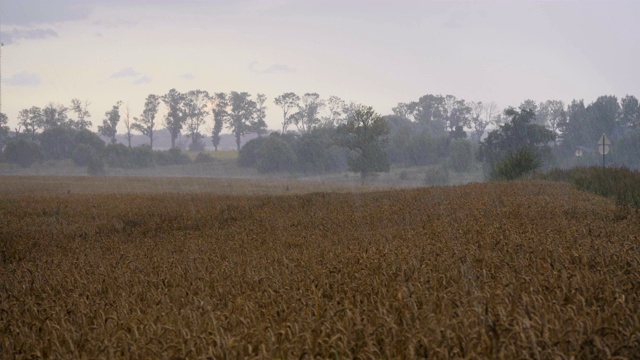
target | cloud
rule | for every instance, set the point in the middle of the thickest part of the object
(30, 12)
(116, 23)
(16, 35)
(23, 79)
(188, 76)
(124, 73)
(144, 79)
(272, 69)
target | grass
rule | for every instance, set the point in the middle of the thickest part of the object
(621, 184)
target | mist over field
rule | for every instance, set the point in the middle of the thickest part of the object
(319, 179)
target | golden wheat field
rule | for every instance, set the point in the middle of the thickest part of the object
(502, 270)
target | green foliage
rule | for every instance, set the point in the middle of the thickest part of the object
(316, 152)
(173, 156)
(437, 176)
(204, 158)
(365, 134)
(510, 138)
(4, 129)
(121, 156)
(627, 149)
(23, 152)
(517, 165)
(248, 154)
(423, 149)
(622, 184)
(90, 138)
(275, 155)
(461, 155)
(110, 123)
(82, 154)
(58, 142)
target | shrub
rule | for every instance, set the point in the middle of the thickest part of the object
(23, 152)
(619, 183)
(82, 154)
(58, 142)
(141, 156)
(173, 156)
(516, 165)
(275, 155)
(461, 156)
(118, 156)
(204, 158)
(248, 155)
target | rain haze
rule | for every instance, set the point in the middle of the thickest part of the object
(300, 179)
(377, 53)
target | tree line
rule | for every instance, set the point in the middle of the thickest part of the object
(318, 135)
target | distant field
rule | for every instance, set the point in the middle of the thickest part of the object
(183, 268)
(14, 185)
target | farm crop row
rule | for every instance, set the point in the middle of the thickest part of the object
(515, 270)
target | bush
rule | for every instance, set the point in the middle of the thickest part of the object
(204, 158)
(619, 183)
(275, 155)
(118, 156)
(517, 165)
(58, 142)
(87, 137)
(173, 156)
(248, 155)
(82, 154)
(461, 157)
(23, 152)
(141, 156)
(437, 176)
(197, 146)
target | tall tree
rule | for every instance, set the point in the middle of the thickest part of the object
(306, 119)
(603, 115)
(4, 129)
(241, 110)
(482, 115)
(429, 112)
(287, 102)
(82, 114)
(220, 114)
(456, 113)
(195, 107)
(128, 125)
(553, 115)
(258, 123)
(520, 132)
(335, 108)
(175, 118)
(109, 127)
(31, 120)
(529, 105)
(146, 124)
(54, 116)
(629, 111)
(365, 133)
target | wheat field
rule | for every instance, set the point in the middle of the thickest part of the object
(521, 270)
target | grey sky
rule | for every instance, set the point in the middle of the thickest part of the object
(374, 52)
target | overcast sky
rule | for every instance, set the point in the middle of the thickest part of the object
(376, 52)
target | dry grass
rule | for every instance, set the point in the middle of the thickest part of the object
(501, 270)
